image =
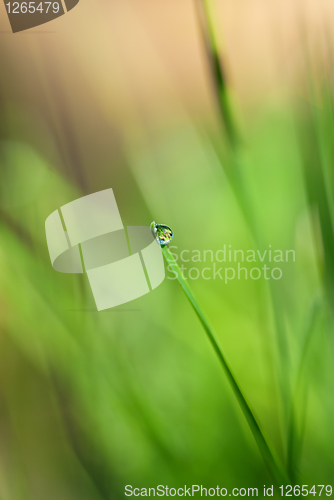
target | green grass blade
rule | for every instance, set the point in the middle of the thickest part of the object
(218, 73)
(235, 175)
(298, 403)
(271, 461)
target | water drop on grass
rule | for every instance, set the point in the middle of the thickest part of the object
(162, 233)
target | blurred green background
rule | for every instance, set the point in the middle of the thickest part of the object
(120, 94)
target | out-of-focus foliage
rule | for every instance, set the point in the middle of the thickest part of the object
(91, 402)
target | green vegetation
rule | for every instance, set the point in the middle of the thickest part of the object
(92, 402)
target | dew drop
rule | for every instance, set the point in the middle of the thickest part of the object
(162, 233)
